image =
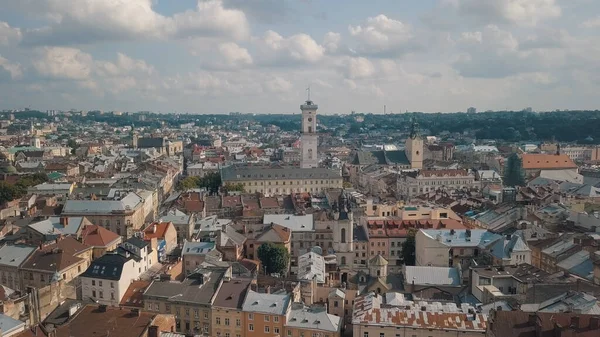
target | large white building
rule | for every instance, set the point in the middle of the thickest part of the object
(107, 278)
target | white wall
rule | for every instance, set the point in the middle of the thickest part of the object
(430, 252)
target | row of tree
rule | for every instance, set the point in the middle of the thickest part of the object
(10, 192)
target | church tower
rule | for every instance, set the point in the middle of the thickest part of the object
(309, 138)
(414, 146)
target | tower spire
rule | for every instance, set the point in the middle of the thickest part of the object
(414, 128)
(308, 93)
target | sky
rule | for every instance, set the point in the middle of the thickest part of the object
(260, 56)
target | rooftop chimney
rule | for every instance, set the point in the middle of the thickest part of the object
(154, 228)
(153, 331)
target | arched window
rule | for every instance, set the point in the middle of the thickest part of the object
(379, 273)
(343, 260)
(343, 232)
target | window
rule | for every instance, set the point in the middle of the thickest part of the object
(226, 321)
(267, 329)
(250, 327)
(187, 312)
(275, 319)
(93, 281)
(267, 318)
(366, 334)
(289, 332)
(100, 283)
(343, 260)
(227, 334)
(177, 311)
(238, 322)
(168, 308)
(112, 296)
(343, 235)
(250, 316)
(381, 334)
(93, 293)
(484, 281)
(157, 307)
(335, 304)
(196, 313)
(206, 315)
(218, 320)
(101, 294)
(112, 284)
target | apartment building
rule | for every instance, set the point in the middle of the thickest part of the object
(107, 278)
(265, 314)
(411, 184)
(194, 254)
(123, 216)
(392, 315)
(11, 259)
(184, 223)
(100, 239)
(62, 261)
(451, 247)
(227, 314)
(311, 321)
(190, 300)
(279, 180)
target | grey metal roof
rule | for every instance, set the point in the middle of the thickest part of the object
(275, 304)
(313, 319)
(432, 276)
(15, 255)
(8, 325)
(107, 267)
(177, 217)
(311, 265)
(199, 288)
(297, 223)
(458, 237)
(197, 248)
(238, 173)
(53, 226)
(129, 202)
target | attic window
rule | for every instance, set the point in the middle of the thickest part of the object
(255, 303)
(273, 305)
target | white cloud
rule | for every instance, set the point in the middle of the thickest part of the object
(359, 67)
(298, 48)
(591, 23)
(234, 55)
(64, 63)
(9, 34)
(381, 35)
(13, 69)
(89, 21)
(331, 42)
(277, 85)
(521, 12)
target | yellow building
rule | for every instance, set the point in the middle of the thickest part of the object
(271, 180)
(227, 315)
(61, 261)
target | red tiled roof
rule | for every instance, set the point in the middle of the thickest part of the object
(547, 161)
(91, 321)
(134, 295)
(96, 236)
(159, 233)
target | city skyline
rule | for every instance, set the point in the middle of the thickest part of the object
(217, 56)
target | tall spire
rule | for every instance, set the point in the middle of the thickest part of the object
(414, 128)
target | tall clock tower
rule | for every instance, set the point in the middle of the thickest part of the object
(309, 138)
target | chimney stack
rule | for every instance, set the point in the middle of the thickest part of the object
(153, 331)
(154, 228)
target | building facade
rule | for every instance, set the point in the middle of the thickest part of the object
(416, 183)
(309, 138)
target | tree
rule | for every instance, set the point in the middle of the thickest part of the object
(211, 181)
(409, 249)
(274, 258)
(188, 183)
(513, 171)
(229, 187)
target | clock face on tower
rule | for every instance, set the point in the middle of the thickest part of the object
(310, 119)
